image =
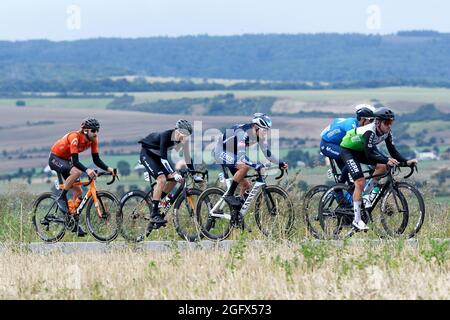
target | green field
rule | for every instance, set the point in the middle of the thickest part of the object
(66, 103)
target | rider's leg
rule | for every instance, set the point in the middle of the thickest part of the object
(359, 186)
(241, 172)
(156, 198)
(68, 183)
(379, 169)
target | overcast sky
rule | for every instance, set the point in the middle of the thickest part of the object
(80, 19)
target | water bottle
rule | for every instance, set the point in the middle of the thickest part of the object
(221, 177)
(348, 198)
(146, 176)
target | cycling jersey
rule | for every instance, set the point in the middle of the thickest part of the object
(73, 143)
(366, 139)
(233, 145)
(337, 129)
(159, 143)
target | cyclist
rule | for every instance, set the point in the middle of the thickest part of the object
(331, 136)
(359, 145)
(231, 150)
(154, 157)
(64, 159)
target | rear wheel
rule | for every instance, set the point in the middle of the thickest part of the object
(134, 215)
(49, 222)
(213, 214)
(102, 221)
(310, 210)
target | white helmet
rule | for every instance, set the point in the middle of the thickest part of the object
(262, 120)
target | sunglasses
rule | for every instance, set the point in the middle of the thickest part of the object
(387, 122)
(95, 130)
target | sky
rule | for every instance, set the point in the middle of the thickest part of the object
(81, 19)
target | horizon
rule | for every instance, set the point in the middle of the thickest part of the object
(68, 20)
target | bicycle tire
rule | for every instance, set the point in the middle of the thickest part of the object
(274, 218)
(213, 228)
(309, 214)
(192, 231)
(59, 219)
(107, 227)
(134, 224)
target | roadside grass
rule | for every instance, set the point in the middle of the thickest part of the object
(276, 270)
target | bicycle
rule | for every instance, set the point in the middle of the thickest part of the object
(50, 223)
(217, 218)
(396, 209)
(136, 209)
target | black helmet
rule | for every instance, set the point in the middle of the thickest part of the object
(364, 113)
(384, 113)
(184, 126)
(90, 123)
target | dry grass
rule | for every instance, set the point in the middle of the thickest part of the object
(278, 271)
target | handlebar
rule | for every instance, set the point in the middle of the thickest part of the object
(394, 168)
(105, 173)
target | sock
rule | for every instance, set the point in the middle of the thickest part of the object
(232, 188)
(155, 205)
(357, 210)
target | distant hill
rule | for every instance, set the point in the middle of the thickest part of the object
(408, 55)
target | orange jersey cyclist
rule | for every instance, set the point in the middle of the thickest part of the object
(65, 160)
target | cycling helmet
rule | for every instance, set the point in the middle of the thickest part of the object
(384, 113)
(90, 123)
(262, 120)
(184, 126)
(364, 113)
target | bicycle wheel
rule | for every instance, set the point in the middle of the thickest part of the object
(336, 212)
(134, 215)
(215, 225)
(274, 212)
(402, 211)
(184, 216)
(49, 222)
(102, 221)
(310, 210)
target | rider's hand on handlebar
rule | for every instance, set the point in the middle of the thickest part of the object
(411, 162)
(91, 173)
(392, 162)
(178, 177)
(113, 171)
(197, 179)
(283, 165)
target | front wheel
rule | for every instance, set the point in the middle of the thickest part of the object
(310, 210)
(49, 222)
(102, 218)
(274, 212)
(402, 210)
(213, 214)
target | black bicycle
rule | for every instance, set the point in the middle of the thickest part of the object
(400, 206)
(274, 213)
(136, 209)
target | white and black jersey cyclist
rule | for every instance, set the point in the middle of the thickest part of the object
(232, 151)
(154, 157)
(359, 145)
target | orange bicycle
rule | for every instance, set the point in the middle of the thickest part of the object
(102, 221)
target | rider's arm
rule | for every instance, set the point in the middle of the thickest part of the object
(98, 162)
(393, 150)
(76, 162)
(241, 145)
(264, 145)
(371, 150)
(73, 140)
(96, 157)
(165, 143)
(187, 155)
